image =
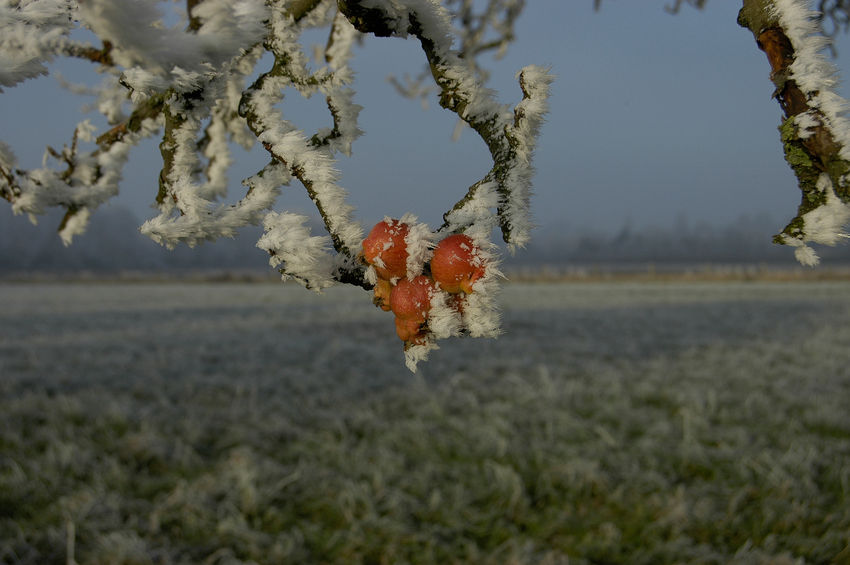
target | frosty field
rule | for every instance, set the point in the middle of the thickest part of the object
(612, 423)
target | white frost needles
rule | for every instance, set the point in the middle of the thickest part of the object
(229, 28)
(32, 33)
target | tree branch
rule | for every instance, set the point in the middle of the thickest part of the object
(308, 160)
(810, 130)
(150, 109)
(462, 93)
(101, 56)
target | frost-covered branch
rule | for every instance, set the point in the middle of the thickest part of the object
(310, 160)
(90, 178)
(490, 29)
(188, 209)
(33, 33)
(509, 135)
(479, 29)
(815, 133)
(133, 29)
(187, 81)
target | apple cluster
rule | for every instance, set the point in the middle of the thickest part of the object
(412, 284)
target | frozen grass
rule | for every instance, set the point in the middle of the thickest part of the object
(612, 423)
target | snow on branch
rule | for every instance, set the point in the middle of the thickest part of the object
(132, 37)
(188, 209)
(305, 258)
(815, 133)
(190, 81)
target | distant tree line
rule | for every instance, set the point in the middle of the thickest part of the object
(109, 248)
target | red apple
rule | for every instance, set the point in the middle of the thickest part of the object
(457, 264)
(410, 301)
(386, 250)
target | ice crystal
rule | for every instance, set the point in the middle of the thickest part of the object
(304, 257)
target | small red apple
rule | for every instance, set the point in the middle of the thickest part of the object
(410, 301)
(457, 264)
(386, 250)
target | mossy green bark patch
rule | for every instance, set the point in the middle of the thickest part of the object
(757, 16)
(798, 157)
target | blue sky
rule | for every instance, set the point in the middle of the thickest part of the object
(654, 118)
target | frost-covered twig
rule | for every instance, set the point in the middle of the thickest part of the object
(89, 179)
(206, 88)
(815, 133)
(138, 40)
(92, 177)
(506, 133)
(310, 160)
(32, 33)
(189, 81)
(188, 209)
(479, 29)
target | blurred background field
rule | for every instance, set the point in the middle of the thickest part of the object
(615, 421)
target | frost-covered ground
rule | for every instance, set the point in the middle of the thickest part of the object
(611, 423)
